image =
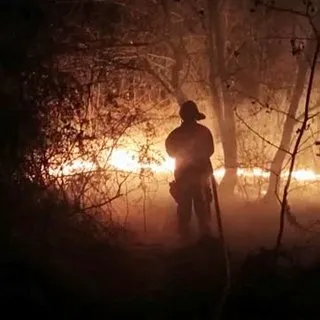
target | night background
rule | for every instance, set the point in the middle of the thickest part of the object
(89, 91)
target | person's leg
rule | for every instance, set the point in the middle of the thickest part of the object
(184, 211)
(202, 208)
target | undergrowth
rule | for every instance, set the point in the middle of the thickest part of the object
(58, 261)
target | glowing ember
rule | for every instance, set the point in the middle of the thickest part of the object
(126, 160)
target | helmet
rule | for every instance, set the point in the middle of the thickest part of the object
(189, 111)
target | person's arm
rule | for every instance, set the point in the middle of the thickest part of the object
(210, 143)
(170, 145)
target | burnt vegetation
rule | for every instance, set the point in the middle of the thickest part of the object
(82, 79)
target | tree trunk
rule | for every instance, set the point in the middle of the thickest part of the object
(221, 100)
(290, 122)
(229, 143)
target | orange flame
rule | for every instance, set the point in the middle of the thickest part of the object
(126, 160)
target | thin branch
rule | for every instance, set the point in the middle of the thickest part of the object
(259, 135)
(283, 38)
(267, 107)
(284, 205)
(158, 77)
(305, 15)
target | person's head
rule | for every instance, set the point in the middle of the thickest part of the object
(189, 112)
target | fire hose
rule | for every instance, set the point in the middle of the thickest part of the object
(224, 245)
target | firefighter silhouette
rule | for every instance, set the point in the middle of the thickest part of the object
(191, 145)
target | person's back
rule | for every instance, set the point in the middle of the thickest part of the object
(191, 145)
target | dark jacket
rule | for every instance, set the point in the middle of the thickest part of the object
(191, 145)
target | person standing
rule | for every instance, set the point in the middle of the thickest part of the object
(191, 145)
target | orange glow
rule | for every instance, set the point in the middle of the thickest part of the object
(72, 167)
(127, 160)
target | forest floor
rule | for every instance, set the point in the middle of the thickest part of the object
(158, 278)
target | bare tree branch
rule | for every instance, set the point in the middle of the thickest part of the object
(258, 134)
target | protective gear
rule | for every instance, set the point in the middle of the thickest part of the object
(176, 192)
(189, 111)
(191, 145)
(209, 194)
(197, 194)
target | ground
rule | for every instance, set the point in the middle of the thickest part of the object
(153, 276)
